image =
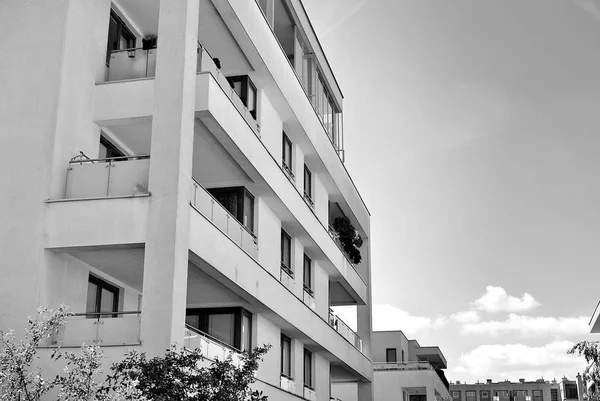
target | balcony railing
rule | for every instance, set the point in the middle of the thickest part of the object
(98, 178)
(114, 328)
(414, 365)
(210, 347)
(210, 208)
(346, 332)
(138, 63)
(287, 384)
(309, 394)
(286, 276)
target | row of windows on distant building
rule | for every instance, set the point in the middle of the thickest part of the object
(484, 395)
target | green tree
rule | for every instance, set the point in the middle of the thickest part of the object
(591, 352)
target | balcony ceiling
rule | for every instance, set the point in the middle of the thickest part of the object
(125, 265)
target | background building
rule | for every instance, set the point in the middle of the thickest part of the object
(539, 390)
(405, 370)
(171, 170)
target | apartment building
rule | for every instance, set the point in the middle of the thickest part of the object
(539, 390)
(405, 370)
(172, 171)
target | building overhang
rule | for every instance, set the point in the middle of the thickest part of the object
(595, 320)
(433, 355)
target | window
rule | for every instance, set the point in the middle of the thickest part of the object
(307, 276)
(308, 375)
(501, 393)
(239, 202)
(325, 107)
(521, 393)
(101, 297)
(456, 395)
(485, 395)
(246, 91)
(287, 155)
(108, 150)
(571, 391)
(470, 395)
(402, 360)
(230, 326)
(307, 184)
(537, 395)
(119, 36)
(286, 356)
(553, 394)
(286, 253)
(390, 355)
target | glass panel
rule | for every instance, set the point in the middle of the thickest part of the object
(251, 98)
(307, 182)
(286, 257)
(92, 293)
(107, 301)
(285, 357)
(307, 272)
(248, 212)
(246, 329)
(390, 355)
(193, 320)
(307, 368)
(237, 87)
(222, 327)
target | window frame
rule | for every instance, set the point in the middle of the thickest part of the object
(238, 312)
(288, 167)
(288, 340)
(241, 193)
(387, 355)
(308, 375)
(539, 392)
(246, 86)
(472, 393)
(103, 284)
(121, 28)
(287, 266)
(110, 148)
(455, 394)
(307, 274)
(308, 189)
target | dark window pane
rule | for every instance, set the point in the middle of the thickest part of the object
(286, 349)
(307, 182)
(390, 355)
(308, 369)
(246, 333)
(222, 327)
(248, 212)
(307, 272)
(92, 294)
(286, 251)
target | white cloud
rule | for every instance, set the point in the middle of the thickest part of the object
(471, 316)
(515, 361)
(388, 317)
(497, 300)
(530, 326)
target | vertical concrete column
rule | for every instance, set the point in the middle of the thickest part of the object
(167, 245)
(365, 317)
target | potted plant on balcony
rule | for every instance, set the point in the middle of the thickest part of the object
(350, 238)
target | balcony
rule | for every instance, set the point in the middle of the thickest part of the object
(346, 332)
(287, 384)
(114, 177)
(210, 208)
(114, 329)
(412, 366)
(308, 297)
(309, 394)
(286, 276)
(132, 64)
(210, 348)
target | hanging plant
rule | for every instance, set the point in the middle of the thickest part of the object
(349, 237)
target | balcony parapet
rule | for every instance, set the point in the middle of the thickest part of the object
(106, 328)
(210, 208)
(112, 177)
(346, 332)
(210, 347)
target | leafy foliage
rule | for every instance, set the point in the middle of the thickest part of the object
(349, 237)
(179, 376)
(19, 380)
(591, 352)
(82, 375)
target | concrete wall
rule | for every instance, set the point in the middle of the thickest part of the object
(390, 339)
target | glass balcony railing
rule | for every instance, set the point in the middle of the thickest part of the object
(98, 178)
(113, 329)
(130, 64)
(210, 347)
(210, 208)
(346, 332)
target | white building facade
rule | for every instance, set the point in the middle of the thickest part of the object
(171, 170)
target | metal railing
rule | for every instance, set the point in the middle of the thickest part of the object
(105, 328)
(210, 347)
(212, 209)
(346, 332)
(411, 365)
(116, 176)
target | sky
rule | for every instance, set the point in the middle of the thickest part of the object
(471, 131)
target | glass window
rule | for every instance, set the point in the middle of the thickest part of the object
(286, 356)
(286, 252)
(402, 360)
(520, 393)
(537, 395)
(101, 297)
(307, 182)
(307, 274)
(501, 393)
(239, 202)
(246, 91)
(485, 395)
(571, 391)
(471, 395)
(230, 326)
(390, 355)
(456, 395)
(119, 36)
(553, 394)
(287, 152)
(108, 150)
(308, 375)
